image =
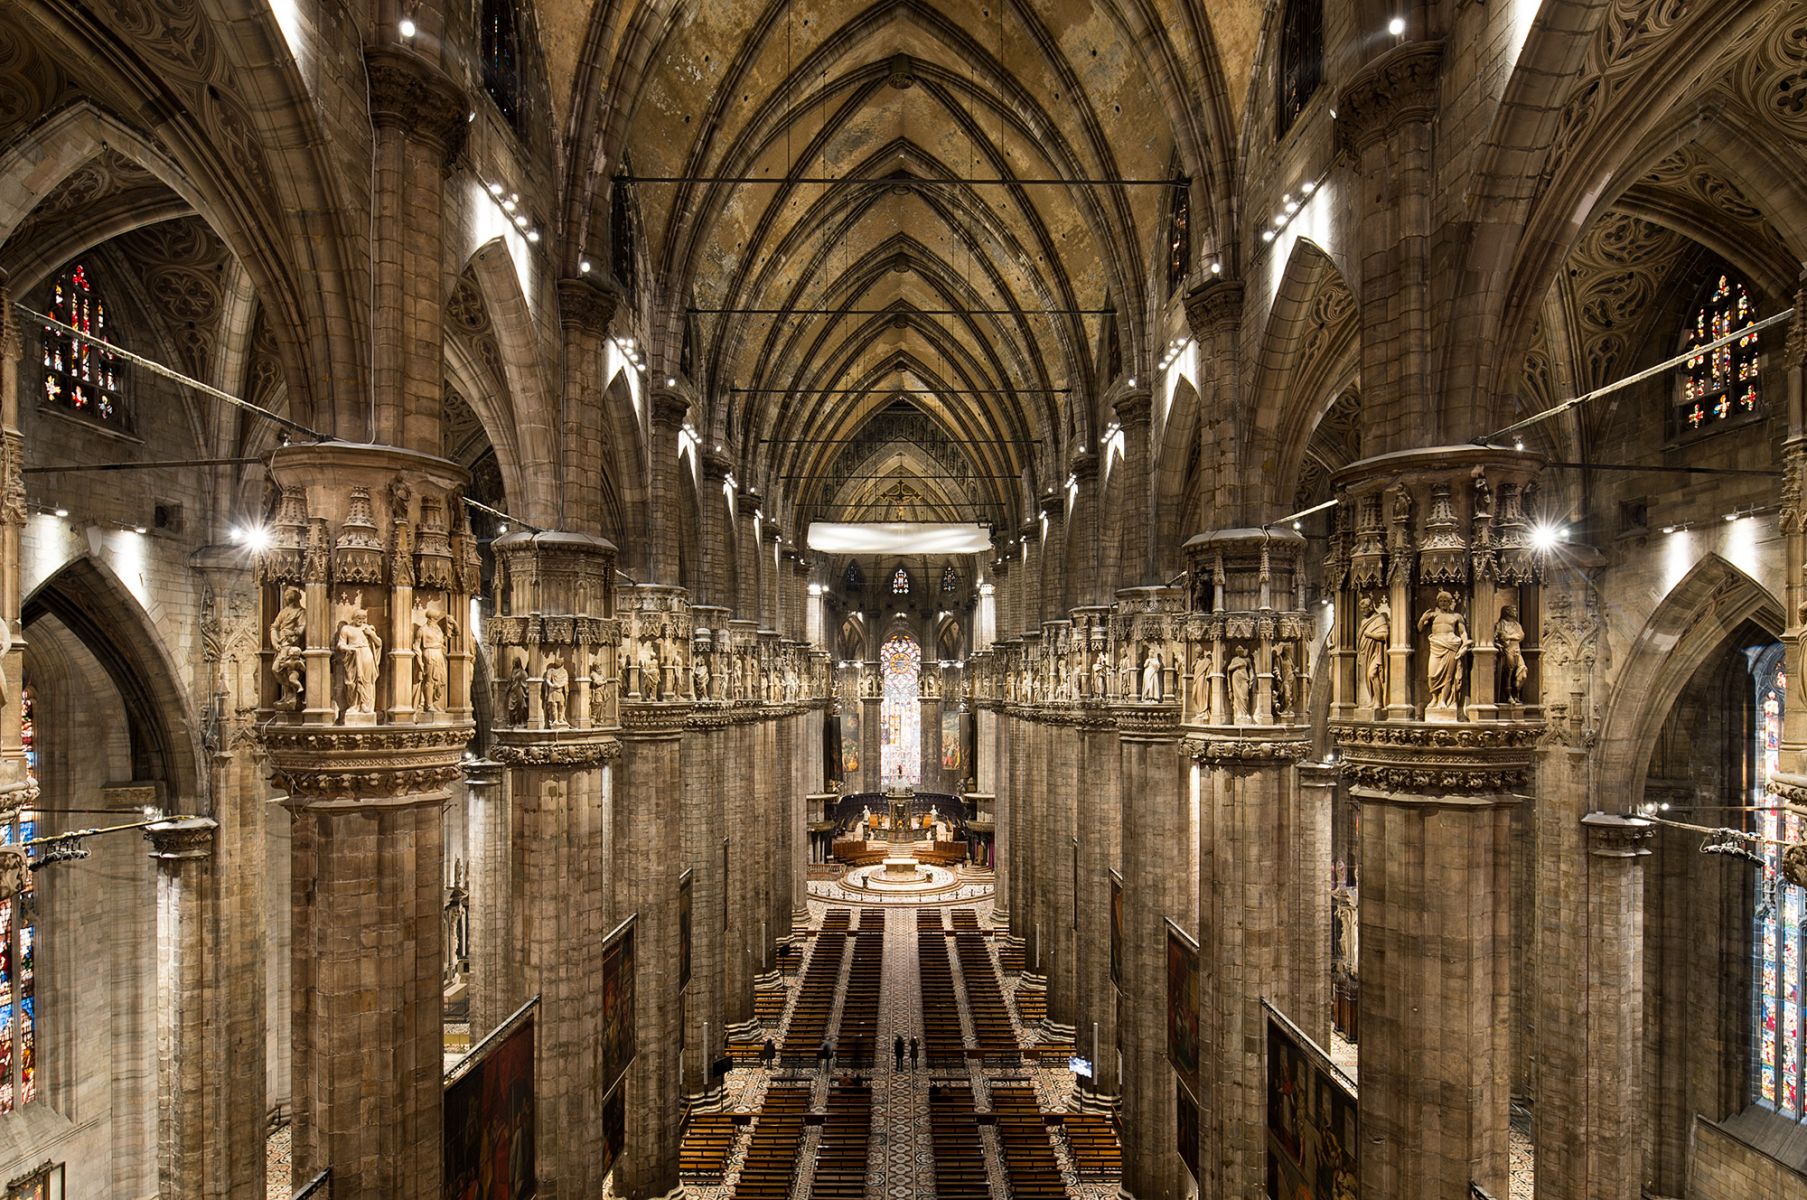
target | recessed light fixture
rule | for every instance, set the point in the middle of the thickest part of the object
(1396, 27)
(583, 264)
(407, 28)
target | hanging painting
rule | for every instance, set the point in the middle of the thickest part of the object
(684, 926)
(850, 743)
(1182, 1006)
(953, 746)
(617, 1004)
(1311, 1119)
(488, 1148)
(1116, 929)
(614, 1127)
(1186, 1112)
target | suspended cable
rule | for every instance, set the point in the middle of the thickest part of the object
(904, 312)
(887, 180)
(156, 464)
(864, 391)
(157, 368)
(1667, 364)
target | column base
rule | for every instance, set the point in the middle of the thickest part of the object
(708, 1100)
(1088, 1101)
(1000, 916)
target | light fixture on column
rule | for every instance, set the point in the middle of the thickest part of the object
(1396, 27)
(407, 28)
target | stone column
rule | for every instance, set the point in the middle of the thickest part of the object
(495, 985)
(1002, 784)
(1081, 578)
(746, 555)
(665, 498)
(743, 865)
(1253, 817)
(190, 1133)
(554, 644)
(705, 752)
(871, 743)
(1157, 886)
(715, 533)
(1214, 315)
(1060, 800)
(585, 310)
(645, 869)
(365, 715)
(1134, 411)
(929, 769)
(1099, 832)
(1052, 540)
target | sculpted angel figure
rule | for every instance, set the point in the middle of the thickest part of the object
(1241, 673)
(1448, 641)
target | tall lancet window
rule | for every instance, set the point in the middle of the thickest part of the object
(900, 713)
(1301, 61)
(1780, 911)
(81, 373)
(18, 951)
(1179, 233)
(502, 58)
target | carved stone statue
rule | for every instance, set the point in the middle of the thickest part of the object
(1371, 648)
(699, 675)
(1201, 684)
(1448, 642)
(433, 632)
(1151, 678)
(649, 672)
(1126, 676)
(600, 687)
(1509, 636)
(720, 685)
(360, 654)
(515, 696)
(288, 635)
(1240, 670)
(1286, 677)
(558, 688)
(668, 667)
(1101, 677)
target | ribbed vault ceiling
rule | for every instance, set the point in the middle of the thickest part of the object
(902, 106)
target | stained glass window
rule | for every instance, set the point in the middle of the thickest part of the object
(950, 579)
(1719, 386)
(1776, 950)
(1179, 233)
(1301, 61)
(853, 579)
(900, 582)
(81, 373)
(623, 241)
(502, 58)
(900, 714)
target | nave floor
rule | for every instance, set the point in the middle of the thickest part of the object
(988, 1137)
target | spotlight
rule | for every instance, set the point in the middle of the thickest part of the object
(502, 527)
(1731, 516)
(139, 529)
(1132, 381)
(62, 512)
(1519, 445)
(671, 381)
(495, 189)
(533, 235)
(1668, 529)
(583, 264)
(1267, 235)
(1396, 27)
(1217, 268)
(520, 220)
(507, 205)
(1306, 189)
(255, 537)
(1298, 526)
(1544, 536)
(407, 28)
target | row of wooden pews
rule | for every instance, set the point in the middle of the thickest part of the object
(941, 1037)
(1093, 1140)
(846, 1139)
(708, 1140)
(985, 999)
(954, 1135)
(1029, 1161)
(772, 1153)
(808, 1026)
(856, 1044)
(1031, 1004)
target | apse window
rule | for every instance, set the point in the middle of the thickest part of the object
(1719, 386)
(1780, 910)
(82, 375)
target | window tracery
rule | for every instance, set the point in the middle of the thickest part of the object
(81, 373)
(1721, 385)
(1301, 61)
(1780, 912)
(1179, 233)
(950, 579)
(18, 950)
(900, 582)
(900, 714)
(502, 58)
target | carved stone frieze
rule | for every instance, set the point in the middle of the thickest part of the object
(1399, 86)
(408, 92)
(364, 764)
(555, 752)
(1473, 758)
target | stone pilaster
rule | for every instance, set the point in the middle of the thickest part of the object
(1052, 540)
(1214, 314)
(1253, 816)
(191, 1146)
(746, 554)
(1081, 578)
(1432, 565)
(554, 643)
(585, 311)
(706, 756)
(365, 714)
(1099, 831)
(715, 533)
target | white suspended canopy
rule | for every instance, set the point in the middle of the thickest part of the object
(898, 537)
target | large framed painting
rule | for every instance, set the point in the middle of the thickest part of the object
(1311, 1119)
(850, 742)
(1116, 929)
(1186, 1128)
(488, 1144)
(953, 745)
(831, 753)
(614, 1126)
(1182, 1006)
(617, 1004)
(684, 926)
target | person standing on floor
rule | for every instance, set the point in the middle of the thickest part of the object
(913, 1047)
(897, 1049)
